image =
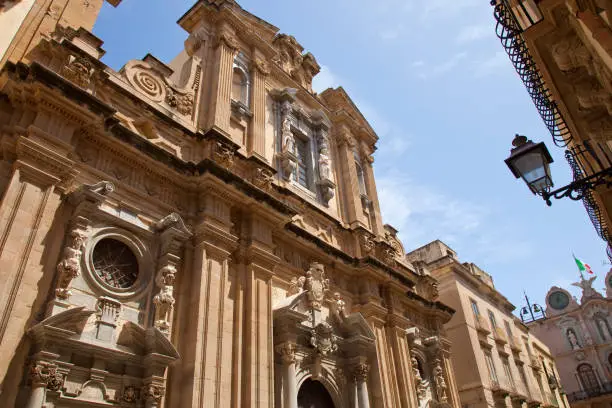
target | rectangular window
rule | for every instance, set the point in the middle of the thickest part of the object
(492, 320)
(303, 156)
(539, 380)
(475, 308)
(508, 372)
(490, 366)
(508, 331)
(523, 375)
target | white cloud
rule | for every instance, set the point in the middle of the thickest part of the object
(325, 79)
(492, 64)
(423, 214)
(473, 33)
(444, 66)
(418, 63)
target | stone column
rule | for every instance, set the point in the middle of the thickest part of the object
(350, 183)
(227, 45)
(360, 374)
(405, 383)
(42, 375)
(259, 357)
(257, 139)
(377, 224)
(287, 352)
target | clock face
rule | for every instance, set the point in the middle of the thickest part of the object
(558, 300)
(115, 263)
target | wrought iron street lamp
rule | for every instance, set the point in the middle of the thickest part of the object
(530, 161)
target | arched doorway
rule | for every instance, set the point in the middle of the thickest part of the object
(313, 394)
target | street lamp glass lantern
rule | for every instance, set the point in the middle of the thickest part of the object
(530, 161)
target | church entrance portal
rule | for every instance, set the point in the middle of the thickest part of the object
(313, 394)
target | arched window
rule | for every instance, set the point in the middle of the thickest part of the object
(603, 328)
(588, 378)
(240, 86)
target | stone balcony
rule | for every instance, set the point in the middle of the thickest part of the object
(500, 389)
(603, 389)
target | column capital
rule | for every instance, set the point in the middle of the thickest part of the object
(360, 372)
(287, 352)
(261, 66)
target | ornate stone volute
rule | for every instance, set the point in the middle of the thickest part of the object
(70, 265)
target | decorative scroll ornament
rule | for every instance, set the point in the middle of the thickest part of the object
(367, 243)
(322, 338)
(164, 300)
(79, 71)
(129, 394)
(183, 103)
(153, 393)
(70, 265)
(263, 178)
(45, 374)
(261, 66)
(360, 372)
(224, 155)
(438, 373)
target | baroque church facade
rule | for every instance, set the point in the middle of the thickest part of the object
(203, 233)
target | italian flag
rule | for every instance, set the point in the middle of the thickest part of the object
(583, 266)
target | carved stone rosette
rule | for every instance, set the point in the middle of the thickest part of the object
(70, 265)
(130, 394)
(164, 300)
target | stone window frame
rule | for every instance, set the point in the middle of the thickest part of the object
(140, 251)
(241, 107)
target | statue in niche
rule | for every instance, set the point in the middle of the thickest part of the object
(288, 139)
(573, 340)
(440, 381)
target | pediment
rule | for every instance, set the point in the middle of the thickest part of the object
(68, 323)
(146, 341)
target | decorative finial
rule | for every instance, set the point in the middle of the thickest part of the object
(519, 140)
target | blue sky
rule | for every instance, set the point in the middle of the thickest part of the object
(445, 101)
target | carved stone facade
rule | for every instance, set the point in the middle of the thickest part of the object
(579, 334)
(200, 234)
(497, 360)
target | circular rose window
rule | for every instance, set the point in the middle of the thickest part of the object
(115, 263)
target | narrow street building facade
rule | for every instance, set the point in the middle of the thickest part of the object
(498, 361)
(579, 335)
(202, 233)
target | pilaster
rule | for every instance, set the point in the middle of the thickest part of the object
(257, 140)
(407, 391)
(352, 204)
(226, 47)
(27, 211)
(377, 225)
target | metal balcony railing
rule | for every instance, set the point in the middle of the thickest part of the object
(603, 389)
(509, 31)
(586, 160)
